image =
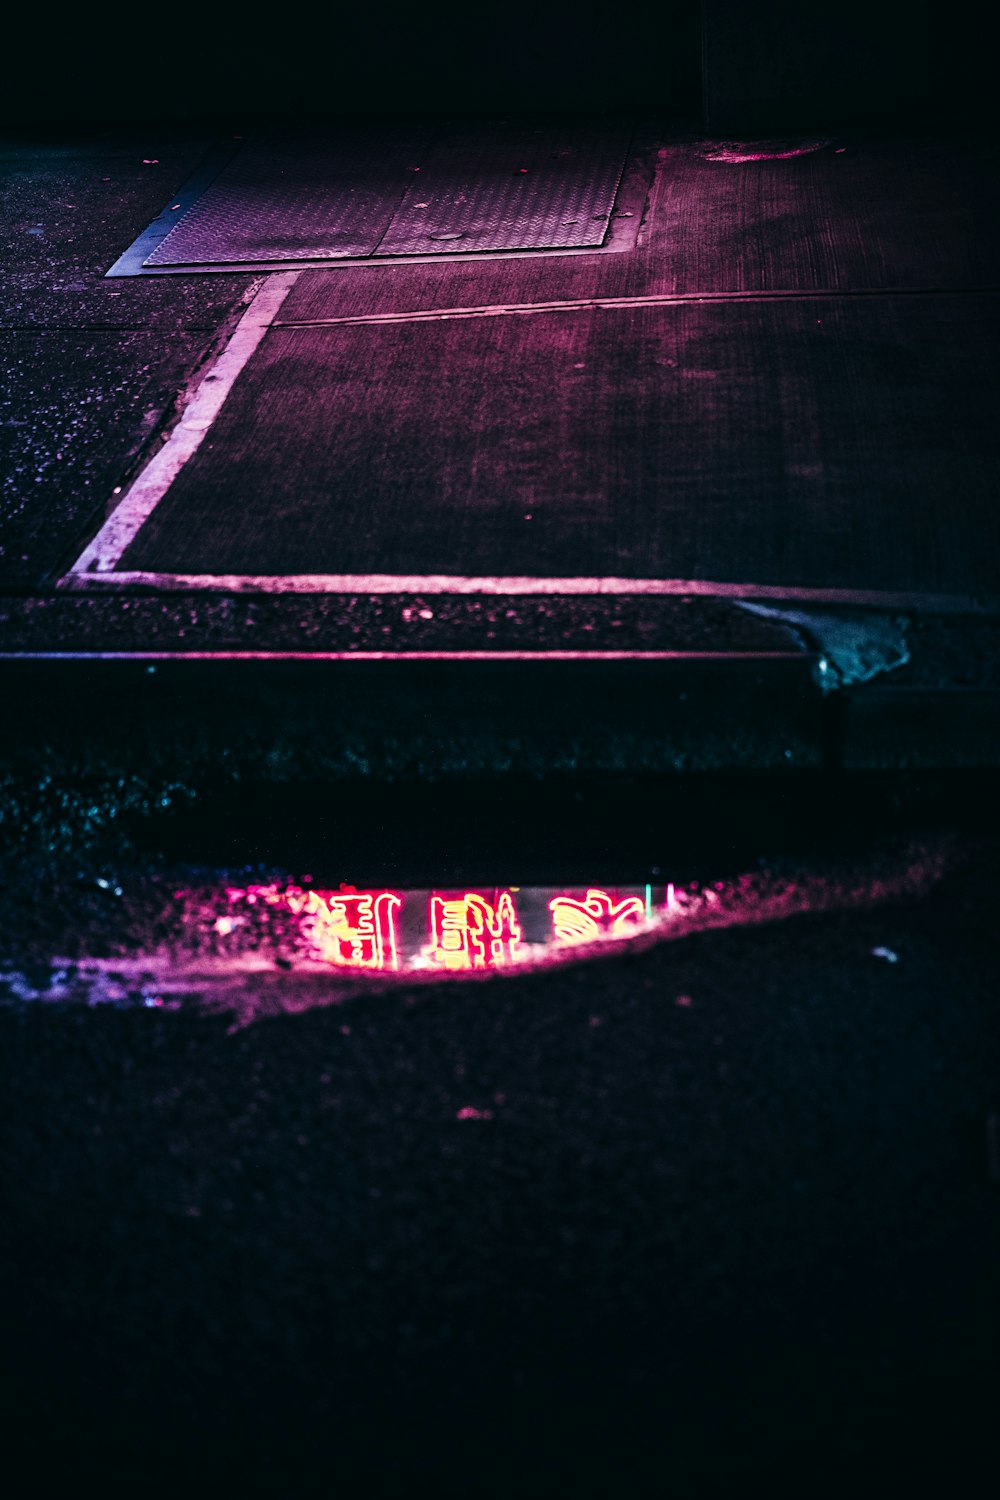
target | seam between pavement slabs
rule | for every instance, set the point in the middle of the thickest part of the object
(512, 309)
(665, 299)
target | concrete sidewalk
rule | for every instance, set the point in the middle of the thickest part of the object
(890, 235)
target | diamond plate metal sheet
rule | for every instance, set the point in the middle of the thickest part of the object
(328, 195)
(505, 187)
(353, 193)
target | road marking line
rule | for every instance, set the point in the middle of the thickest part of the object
(443, 583)
(149, 487)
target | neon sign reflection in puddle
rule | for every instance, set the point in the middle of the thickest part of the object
(451, 931)
(236, 947)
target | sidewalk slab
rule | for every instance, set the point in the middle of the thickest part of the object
(94, 395)
(813, 444)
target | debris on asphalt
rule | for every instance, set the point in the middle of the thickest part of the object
(890, 956)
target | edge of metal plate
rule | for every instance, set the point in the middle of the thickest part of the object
(627, 215)
(130, 262)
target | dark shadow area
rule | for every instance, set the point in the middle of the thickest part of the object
(502, 831)
(342, 58)
(777, 65)
(745, 1242)
(782, 65)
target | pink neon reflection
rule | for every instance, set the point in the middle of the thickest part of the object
(469, 932)
(257, 950)
(351, 929)
(358, 931)
(596, 916)
(409, 931)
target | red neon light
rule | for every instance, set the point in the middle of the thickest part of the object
(582, 921)
(354, 929)
(469, 932)
(465, 932)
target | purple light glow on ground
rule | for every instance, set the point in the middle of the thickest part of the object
(277, 947)
(735, 152)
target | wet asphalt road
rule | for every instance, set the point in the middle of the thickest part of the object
(697, 1248)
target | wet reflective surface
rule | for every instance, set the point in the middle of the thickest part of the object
(688, 1212)
(255, 943)
(600, 1131)
(458, 931)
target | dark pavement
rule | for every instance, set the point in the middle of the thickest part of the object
(727, 1223)
(710, 1216)
(92, 374)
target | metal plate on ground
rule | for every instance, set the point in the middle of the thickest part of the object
(511, 188)
(357, 192)
(328, 195)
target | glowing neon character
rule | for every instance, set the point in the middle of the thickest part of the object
(598, 916)
(356, 929)
(469, 932)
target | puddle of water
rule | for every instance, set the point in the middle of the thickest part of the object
(257, 947)
(459, 931)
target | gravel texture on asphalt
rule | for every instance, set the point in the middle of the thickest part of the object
(95, 367)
